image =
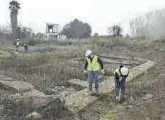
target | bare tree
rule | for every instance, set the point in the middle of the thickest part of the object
(14, 6)
(151, 25)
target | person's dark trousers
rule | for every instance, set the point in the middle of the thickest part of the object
(120, 85)
(17, 48)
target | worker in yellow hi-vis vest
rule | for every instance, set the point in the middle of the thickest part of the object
(17, 45)
(93, 65)
(120, 76)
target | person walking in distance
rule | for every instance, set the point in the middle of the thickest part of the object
(93, 65)
(120, 75)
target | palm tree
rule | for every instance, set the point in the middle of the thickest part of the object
(14, 6)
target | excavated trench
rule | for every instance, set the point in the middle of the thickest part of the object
(68, 88)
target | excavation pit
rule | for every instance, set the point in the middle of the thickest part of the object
(81, 99)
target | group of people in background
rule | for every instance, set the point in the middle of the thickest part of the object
(94, 65)
(17, 45)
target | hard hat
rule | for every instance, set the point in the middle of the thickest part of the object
(17, 39)
(124, 71)
(121, 66)
(88, 52)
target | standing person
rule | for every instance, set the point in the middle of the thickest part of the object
(25, 48)
(120, 75)
(93, 65)
(17, 44)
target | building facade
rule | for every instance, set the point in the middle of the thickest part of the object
(53, 31)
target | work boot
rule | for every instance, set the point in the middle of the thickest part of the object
(90, 92)
(124, 97)
(117, 98)
(97, 92)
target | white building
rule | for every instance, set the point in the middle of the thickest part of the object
(52, 31)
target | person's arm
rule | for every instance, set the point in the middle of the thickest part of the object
(86, 65)
(101, 63)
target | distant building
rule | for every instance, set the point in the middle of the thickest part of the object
(53, 31)
(27, 30)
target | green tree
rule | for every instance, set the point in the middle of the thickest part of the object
(96, 35)
(115, 30)
(14, 6)
(77, 29)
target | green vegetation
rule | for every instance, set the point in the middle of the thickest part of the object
(77, 29)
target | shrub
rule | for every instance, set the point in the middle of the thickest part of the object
(34, 42)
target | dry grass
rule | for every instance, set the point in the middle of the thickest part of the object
(44, 70)
(51, 68)
(54, 68)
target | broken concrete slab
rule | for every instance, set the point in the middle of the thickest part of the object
(124, 58)
(6, 78)
(79, 82)
(81, 99)
(18, 86)
(82, 83)
(60, 91)
(123, 62)
(2, 77)
(115, 57)
(34, 93)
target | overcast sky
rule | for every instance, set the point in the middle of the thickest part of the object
(98, 13)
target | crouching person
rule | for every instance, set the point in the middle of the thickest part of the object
(120, 76)
(25, 48)
(93, 65)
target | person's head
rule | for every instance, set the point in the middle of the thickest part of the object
(121, 66)
(124, 71)
(17, 39)
(89, 53)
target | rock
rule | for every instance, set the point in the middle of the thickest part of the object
(54, 108)
(45, 105)
(18, 95)
(50, 91)
(147, 97)
(33, 116)
(128, 107)
(161, 50)
(34, 93)
(19, 103)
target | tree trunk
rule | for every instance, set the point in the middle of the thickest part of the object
(13, 17)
